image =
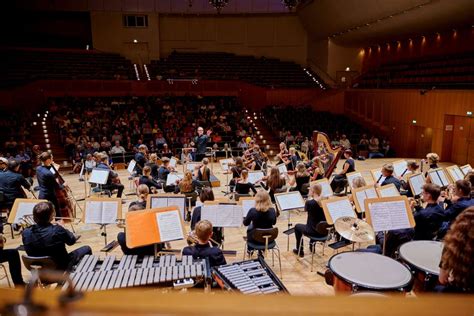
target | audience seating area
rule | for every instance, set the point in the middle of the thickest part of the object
(224, 66)
(24, 65)
(455, 72)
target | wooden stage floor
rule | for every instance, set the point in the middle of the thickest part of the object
(297, 275)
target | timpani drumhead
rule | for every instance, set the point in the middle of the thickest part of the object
(370, 270)
(424, 255)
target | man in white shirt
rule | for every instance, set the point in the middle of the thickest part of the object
(344, 142)
(117, 149)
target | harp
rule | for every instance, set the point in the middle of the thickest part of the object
(335, 152)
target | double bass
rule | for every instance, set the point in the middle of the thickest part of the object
(63, 194)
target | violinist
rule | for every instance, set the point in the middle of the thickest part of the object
(316, 167)
(273, 182)
(164, 169)
(283, 154)
(236, 172)
(147, 180)
(301, 178)
(204, 173)
(153, 166)
(340, 180)
(111, 184)
(47, 182)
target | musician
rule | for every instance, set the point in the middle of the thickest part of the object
(140, 158)
(340, 180)
(110, 185)
(90, 163)
(315, 216)
(274, 182)
(140, 204)
(203, 249)
(200, 142)
(14, 264)
(206, 195)
(412, 168)
(387, 172)
(47, 182)
(236, 172)
(11, 183)
(263, 215)
(243, 186)
(283, 154)
(470, 177)
(358, 182)
(204, 173)
(293, 158)
(432, 159)
(186, 155)
(147, 180)
(460, 201)
(47, 239)
(429, 219)
(301, 178)
(188, 185)
(456, 268)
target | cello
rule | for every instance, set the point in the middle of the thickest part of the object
(63, 194)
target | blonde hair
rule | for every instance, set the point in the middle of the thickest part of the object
(388, 167)
(186, 185)
(432, 157)
(146, 170)
(203, 230)
(153, 157)
(358, 182)
(263, 201)
(205, 161)
(316, 188)
(244, 174)
(143, 191)
(301, 170)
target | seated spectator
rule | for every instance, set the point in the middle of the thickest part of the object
(374, 148)
(46, 239)
(117, 149)
(344, 142)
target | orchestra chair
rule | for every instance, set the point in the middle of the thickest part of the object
(266, 239)
(237, 196)
(204, 184)
(4, 212)
(5, 275)
(323, 229)
(37, 263)
(191, 197)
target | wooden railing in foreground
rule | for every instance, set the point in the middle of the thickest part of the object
(141, 302)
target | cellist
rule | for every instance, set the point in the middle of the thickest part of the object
(47, 181)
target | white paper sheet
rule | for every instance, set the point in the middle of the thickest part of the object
(173, 162)
(169, 225)
(223, 215)
(378, 175)
(180, 202)
(131, 166)
(435, 178)
(24, 209)
(365, 194)
(340, 208)
(443, 177)
(457, 173)
(282, 168)
(109, 212)
(225, 163)
(99, 176)
(389, 191)
(173, 177)
(290, 201)
(246, 206)
(399, 167)
(387, 216)
(326, 190)
(466, 169)
(351, 177)
(93, 212)
(254, 176)
(191, 166)
(158, 201)
(417, 182)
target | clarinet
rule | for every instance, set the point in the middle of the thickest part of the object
(379, 178)
(404, 172)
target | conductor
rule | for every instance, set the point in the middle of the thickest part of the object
(200, 142)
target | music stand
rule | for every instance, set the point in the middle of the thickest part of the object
(289, 201)
(103, 212)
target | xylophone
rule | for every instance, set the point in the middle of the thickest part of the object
(93, 274)
(248, 277)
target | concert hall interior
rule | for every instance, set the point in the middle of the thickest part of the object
(310, 156)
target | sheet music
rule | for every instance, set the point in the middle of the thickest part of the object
(399, 167)
(326, 190)
(180, 202)
(417, 182)
(282, 168)
(131, 166)
(365, 194)
(442, 177)
(158, 201)
(246, 206)
(225, 163)
(290, 201)
(466, 169)
(173, 177)
(458, 172)
(169, 225)
(387, 216)
(23, 209)
(190, 166)
(435, 178)
(223, 215)
(340, 208)
(389, 191)
(254, 176)
(93, 212)
(351, 177)
(99, 176)
(109, 212)
(173, 162)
